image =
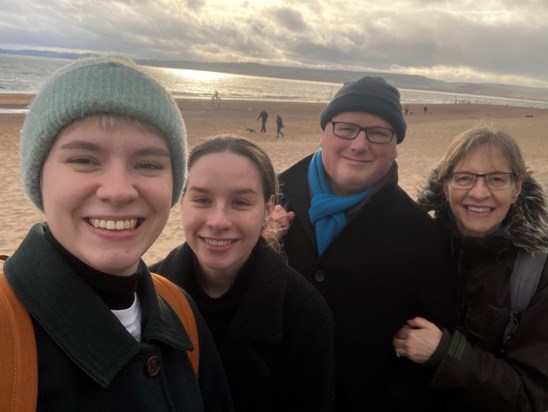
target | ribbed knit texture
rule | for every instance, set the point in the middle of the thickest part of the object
(106, 84)
(371, 95)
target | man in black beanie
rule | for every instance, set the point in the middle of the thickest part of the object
(377, 258)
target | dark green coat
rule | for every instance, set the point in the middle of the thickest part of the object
(87, 361)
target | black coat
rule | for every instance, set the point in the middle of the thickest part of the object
(87, 361)
(388, 264)
(487, 375)
(278, 347)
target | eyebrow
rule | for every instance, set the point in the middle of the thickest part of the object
(155, 151)
(94, 147)
(389, 126)
(80, 144)
(239, 192)
(488, 173)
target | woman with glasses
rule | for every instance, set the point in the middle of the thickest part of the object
(497, 359)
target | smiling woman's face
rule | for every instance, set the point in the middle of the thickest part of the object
(479, 211)
(224, 211)
(107, 193)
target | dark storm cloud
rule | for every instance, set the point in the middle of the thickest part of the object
(290, 19)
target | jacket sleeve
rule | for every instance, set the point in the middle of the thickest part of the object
(516, 380)
(434, 293)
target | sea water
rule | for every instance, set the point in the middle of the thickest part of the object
(22, 74)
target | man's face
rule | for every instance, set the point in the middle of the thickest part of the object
(352, 166)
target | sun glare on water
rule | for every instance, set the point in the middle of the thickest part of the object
(199, 74)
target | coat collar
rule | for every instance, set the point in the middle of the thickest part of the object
(265, 295)
(294, 179)
(77, 319)
(260, 316)
(293, 182)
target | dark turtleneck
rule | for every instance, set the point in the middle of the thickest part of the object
(118, 292)
(219, 312)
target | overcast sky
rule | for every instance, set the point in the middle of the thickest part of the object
(503, 41)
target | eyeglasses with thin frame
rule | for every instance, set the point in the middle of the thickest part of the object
(374, 134)
(495, 181)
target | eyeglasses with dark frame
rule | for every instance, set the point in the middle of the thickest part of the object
(374, 134)
(495, 181)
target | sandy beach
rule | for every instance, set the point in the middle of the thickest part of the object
(427, 138)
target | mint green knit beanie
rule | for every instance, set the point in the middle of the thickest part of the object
(98, 85)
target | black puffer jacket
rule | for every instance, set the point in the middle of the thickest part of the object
(472, 359)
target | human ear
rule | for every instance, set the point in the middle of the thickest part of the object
(516, 190)
(446, 189)
(269, 207)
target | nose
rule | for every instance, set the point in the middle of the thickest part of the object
(360, 142)
(117, 187)
(218, 218)
(480, 188)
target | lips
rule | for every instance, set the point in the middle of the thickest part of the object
(108, 224)
(351, 159)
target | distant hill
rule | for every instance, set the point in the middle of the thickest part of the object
(45, 53)
(404, 81)
(330, 76)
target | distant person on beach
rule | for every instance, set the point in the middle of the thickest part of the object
(263, 116)
(279, 126)
(273, 329)
(103, 151)
(496, 212)
(372, 252)
(216, 99)
(425, 110)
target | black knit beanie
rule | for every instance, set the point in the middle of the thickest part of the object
(368, 94)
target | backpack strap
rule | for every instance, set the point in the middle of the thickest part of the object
(19, 365)
(179, 303)
(525, 278)
(523, 285)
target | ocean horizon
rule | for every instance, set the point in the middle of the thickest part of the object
(26, 74)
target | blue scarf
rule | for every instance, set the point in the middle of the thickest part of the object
(326, 209)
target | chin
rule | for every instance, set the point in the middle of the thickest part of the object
(116, 266)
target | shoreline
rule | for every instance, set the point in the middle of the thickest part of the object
(15, 100)
(427, 138)
(11, 100)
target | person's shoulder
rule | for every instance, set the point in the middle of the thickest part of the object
(305, 305)
(410, 207)
(298, 168)
(171, 262)
(297, 288)
(410, 218)
(303, 293)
